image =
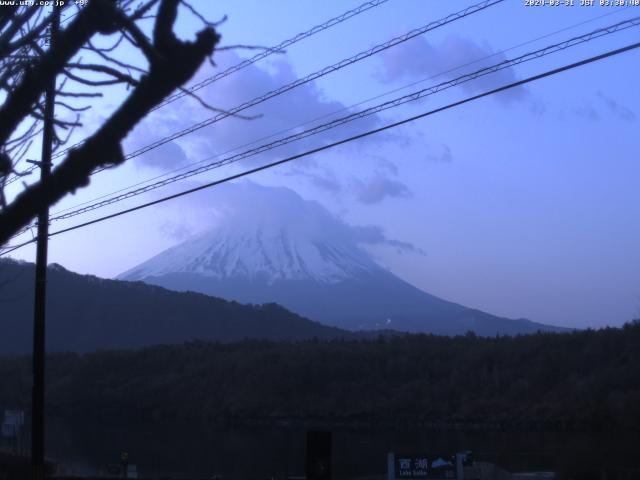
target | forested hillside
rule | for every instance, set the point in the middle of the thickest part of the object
(580, 380)
(87, 313)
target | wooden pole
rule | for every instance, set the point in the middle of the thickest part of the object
(39, 310)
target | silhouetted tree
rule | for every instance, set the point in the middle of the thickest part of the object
(27, 66)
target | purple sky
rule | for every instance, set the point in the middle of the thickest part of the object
(524, 204)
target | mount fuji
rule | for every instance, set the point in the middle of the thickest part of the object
(270, 245)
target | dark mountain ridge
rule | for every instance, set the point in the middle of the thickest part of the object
(87, 313)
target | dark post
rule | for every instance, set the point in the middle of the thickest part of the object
(37, 405)
(319, 456)
(124, 460)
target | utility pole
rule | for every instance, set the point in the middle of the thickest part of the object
(37, 399)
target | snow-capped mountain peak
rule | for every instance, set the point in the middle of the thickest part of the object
(258, 253)
(289, 239)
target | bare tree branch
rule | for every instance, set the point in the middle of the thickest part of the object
(172, 63)
(97, 16)
(121, 77)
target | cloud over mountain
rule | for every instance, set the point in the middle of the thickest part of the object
(421, 58)
(291, 112)
(247, 204)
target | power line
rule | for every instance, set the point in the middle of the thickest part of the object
(318, 28)
(340, 121)
(313, 76)
(320, 73)
(276, 49)
(376, 97)
(325, 71)
(368, 133)
(14, 178)
(237, 67)
(259, 56)
(420, 94)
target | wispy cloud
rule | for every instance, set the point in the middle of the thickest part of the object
(421, 59)
(374, 235)
(176, 230)
(603, 106)
(247, 202)
(377, 187)
(323, 179)
(618, 110)
(587, 111)
(442, 156)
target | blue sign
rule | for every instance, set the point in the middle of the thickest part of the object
(422, 466)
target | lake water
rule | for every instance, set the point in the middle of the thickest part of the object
(191, 450)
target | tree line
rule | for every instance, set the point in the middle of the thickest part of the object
(586, 380)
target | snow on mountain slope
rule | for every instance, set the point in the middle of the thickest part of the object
(267, 251)
(285, 239)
